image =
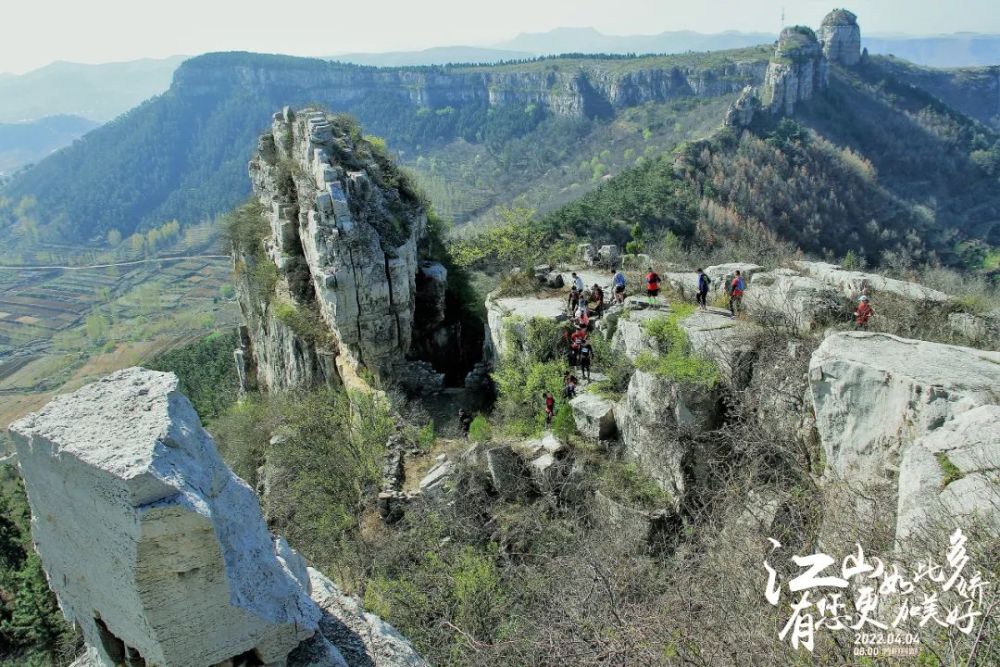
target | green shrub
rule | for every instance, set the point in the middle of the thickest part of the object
(675, 360)
(426, 436)
(305, 321)
(206, 372)
(949, 470)
(563, 424)
(628, 484)
(480, 430)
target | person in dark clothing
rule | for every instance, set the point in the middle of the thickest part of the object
(597, 294)
(702, 297)
(574, 298)
(586, 356)
(465, 419)
(569, 386)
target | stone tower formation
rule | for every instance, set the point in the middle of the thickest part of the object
(799, 69)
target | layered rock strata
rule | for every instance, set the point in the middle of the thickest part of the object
(347, 238)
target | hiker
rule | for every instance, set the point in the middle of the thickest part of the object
(465, 419)
(598, 295)
(569, 386)
(618, 280)
(550, 407)
(574, 298)
(576, 341)
(583, 318)
(578, 283)
(736, 288)
(652, 283)
(863, 313)
(586, 356)
(702, 297)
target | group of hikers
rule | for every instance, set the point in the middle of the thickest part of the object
(584, 304)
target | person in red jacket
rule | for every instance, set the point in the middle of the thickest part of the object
(652, 283)
(736, 287)
(550, 407)
(863, 313)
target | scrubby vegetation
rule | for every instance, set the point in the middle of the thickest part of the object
(32, 629)
(206, 371)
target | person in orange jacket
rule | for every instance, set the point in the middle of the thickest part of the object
(863, 313)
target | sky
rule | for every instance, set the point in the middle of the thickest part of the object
(34, 33)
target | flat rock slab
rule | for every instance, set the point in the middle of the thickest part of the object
(875, 394)
(854, 283)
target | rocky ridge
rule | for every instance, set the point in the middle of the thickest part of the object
(160, 554)
(348, 241)
(884, 410)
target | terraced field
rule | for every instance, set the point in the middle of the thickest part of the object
(62, 328)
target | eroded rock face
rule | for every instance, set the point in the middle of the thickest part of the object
(345, 238)
(150, 542)
(651, 419)
(797, 71)
(506, 318)
(159, 553)
(840, 36)
(874, 395)
(953, 470)
(790, 299)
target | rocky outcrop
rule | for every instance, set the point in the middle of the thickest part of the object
(345, 235)
(854, 283)
(652, 418)
(982, 329)
(953, 472)
(797, 71)
(875, 394)
(786, 298)
(840, 36)
(594, 416)
(506, 318)
(741, 113)
(155, 549)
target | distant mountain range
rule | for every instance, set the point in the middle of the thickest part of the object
(954, 50)
(23, 143)
(96, 92)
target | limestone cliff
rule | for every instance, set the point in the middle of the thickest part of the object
(340, 280)
(797, 71)
(569, 86)
(160, 554)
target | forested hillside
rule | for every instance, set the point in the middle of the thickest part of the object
(874, 167)
(183, 155)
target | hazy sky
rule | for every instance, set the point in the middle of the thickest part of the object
(36, 32)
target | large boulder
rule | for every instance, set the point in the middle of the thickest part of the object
(876, 394)
(152, 545)
(951, 473)
(721, 339)
(635, 529)
(594, 416)
(506, 318)
(154, 548)
(981, 329)
(652, 418)
(511, 477)
(786, 298)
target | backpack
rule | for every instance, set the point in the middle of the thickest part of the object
(704, 281)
